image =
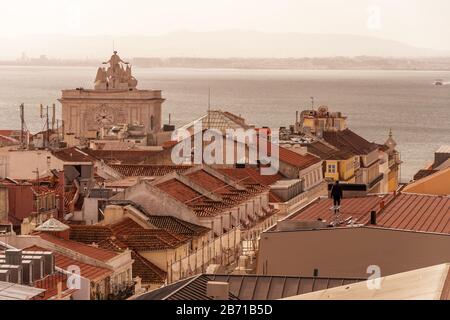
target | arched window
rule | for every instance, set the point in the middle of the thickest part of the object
(152, 122)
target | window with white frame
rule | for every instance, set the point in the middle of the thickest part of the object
(331, 168)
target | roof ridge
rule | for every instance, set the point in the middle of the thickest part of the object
(183, 286)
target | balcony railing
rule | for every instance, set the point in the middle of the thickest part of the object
(122, 291)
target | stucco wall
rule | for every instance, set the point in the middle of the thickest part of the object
(23, 164)
(347, 252)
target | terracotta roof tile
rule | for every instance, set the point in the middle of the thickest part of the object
(73, 155)
(87, 250)
(89, 234)
(202, 204)
(253, 175)
(176, 225)
(297, 160)
(129, 234)
(87, 271)
(50, 284)
(123, 156)
(349, 140)
(179, 190)
(147, 170)
(147, 271)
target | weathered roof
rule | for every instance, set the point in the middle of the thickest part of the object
(12, 291)
(320, 149)
(50, 284)
(423, 173)
(219, 195)
(193, 288)
(52, 225)
(219, 120)
(73, 154)
(253, 175)
(357, 208)
(296, 159)
(123, 156)
(176, 225)
(91, 272)
(246, 287)
(417, 213)
(147, 170)
(404, 211)
(131, 234)
(250, 175)
(87, 250)
(349, 140)
(147, 271)
(432, 283)
(89, 233)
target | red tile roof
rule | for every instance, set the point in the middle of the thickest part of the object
(253, 175)
(202, 204)
(209, 182)
(147, 271)
(147, 170)
(357, 208)
(417, 213)
(176, 225)
(349, 140)
(130, 234)
(297, 160)
(87, 250)
(123, 156)
(50, 284)
(87, 271)
(89, 234)
(412, 212)
(180, 191)
(290, 157)
(73, 155)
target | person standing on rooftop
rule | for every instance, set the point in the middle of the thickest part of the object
(337, 194)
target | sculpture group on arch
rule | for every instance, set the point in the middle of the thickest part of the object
(117, 76)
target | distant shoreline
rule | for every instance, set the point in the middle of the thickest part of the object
(331, 63)
(238, 68)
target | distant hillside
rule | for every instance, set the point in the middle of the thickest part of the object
(220, 44)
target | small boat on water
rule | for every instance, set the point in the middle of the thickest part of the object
(439, 82)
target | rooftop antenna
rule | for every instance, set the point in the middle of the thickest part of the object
(53, 116)
(37, 180)
(22, 125)
(209, 107)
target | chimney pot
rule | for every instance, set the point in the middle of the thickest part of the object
(373, 218)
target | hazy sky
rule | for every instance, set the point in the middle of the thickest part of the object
(424, 23)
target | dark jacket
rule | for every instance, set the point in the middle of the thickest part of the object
(336, 191)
